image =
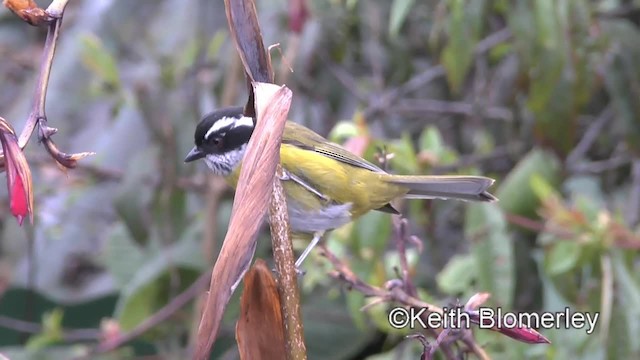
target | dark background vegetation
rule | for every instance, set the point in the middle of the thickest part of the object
(542, 95)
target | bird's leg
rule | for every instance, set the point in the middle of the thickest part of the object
(316, 239)
(289, 176)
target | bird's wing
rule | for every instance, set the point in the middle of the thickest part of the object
(314, 142)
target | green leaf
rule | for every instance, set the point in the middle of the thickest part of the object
(218, 39)
(329, 330)
(122, 256)
(98, 59)
(516, 193)
(148, 289)
(458, 275)
(464, 31)
(373, 232)
(619, 337)
(628, 293)
(405, 160)
(492, 249)
(431, 140)
(563, 257)
(355, 301)
(400, 9)
(343, 130)
(133, 197)
(51, 332)
(623, 83)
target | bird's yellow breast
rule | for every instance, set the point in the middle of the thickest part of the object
(338, 182)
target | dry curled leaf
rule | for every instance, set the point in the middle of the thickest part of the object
(68, 161)
(28, 11)
(260, 330)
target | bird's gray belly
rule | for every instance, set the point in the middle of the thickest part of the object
(302, 219)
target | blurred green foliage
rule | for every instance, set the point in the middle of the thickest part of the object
(542, 95)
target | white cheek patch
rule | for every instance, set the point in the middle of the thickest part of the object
(220, 124)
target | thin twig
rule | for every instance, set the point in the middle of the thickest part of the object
(68, 335)
(491, 41)
(600, 166)
(391, 293)
(158, 317)
(382, 102)
(452, 107)
(591, 134)
(400, 239)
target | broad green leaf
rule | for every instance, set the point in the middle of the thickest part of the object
(329, 330)
(373, 231)
(628, 286)
(629, 294)
(133, 197)
(563, 257)
(431, 140)
(355, 301)
(405, 160)
(122, 256)
(392, 261)
(516, 194)
(585, 187)
(619, 339)
(464, 32)
(458, 275)
(492, 249)
(148, 289)
(400, 9)
(343, 130)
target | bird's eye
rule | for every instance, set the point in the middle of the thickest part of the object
(217, 142)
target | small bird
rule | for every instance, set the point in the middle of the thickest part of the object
(326, 185)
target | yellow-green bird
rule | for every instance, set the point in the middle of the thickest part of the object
(326, 185)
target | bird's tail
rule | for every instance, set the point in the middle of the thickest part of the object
(470, 188)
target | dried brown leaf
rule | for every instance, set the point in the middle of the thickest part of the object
(28, 11)
(260, 330)
(250, 203)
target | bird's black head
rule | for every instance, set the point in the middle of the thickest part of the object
(221, 139)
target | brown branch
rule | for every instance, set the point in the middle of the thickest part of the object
(288, 277)
(55, 10)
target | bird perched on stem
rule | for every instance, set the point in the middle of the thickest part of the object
(326, 185)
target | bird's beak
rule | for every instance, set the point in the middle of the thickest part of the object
(194, 154)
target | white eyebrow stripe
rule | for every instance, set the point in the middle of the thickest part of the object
(222, 123)
(244, 121)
